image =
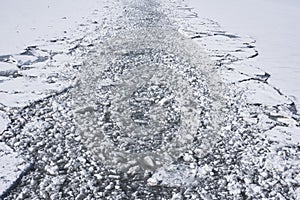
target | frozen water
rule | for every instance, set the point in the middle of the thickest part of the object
(165, 104)
(156, 99)
(12, 167)
(258, 92)
(184, 175)
(3, 120)
(273, 24)
(289, 135)
(32, 23)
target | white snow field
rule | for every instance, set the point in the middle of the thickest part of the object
(36, 45)
(33, 22)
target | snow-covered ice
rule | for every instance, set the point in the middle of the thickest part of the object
(12, 167)
(274, 26)
(36, 42)
(148, 99)
(4, 120)
(27, 23)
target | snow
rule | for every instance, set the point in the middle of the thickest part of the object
(3, 121)
(175, 175)
(38, 55)
(37, 43)
(32, 22)
(290, 135)
(273, 24)
(262, 93)
(7, 69)
(11, 165)
(11, 168)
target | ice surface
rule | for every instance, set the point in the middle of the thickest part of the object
(147, 110)
(288, 135)
(21, 91)
(8, 69)
(155, 95)
(3, 121)
(37, 60)
(11, 168)
(273, 23)
(30, 23)
(257, 92)
(267, 107)
(38, 41)
(174, 176)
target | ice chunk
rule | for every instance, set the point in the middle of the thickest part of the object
(173, 176)
(258, 92)
(8, 69)
(284, 134)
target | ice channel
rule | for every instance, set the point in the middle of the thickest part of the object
(147, 96)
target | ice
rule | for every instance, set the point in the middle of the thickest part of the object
(187, 111)
(222, 43)
(3, 120)
(257, 92)
(8, 69)
(273, 23)
(247, 68)
(154, 105)
(34, 22)
(289, 135)
(173, 176)
(298, 193)
(36, 62)
(22, 91)
(12, 167)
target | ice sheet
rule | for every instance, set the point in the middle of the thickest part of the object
(274, 24)
(31, 22)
